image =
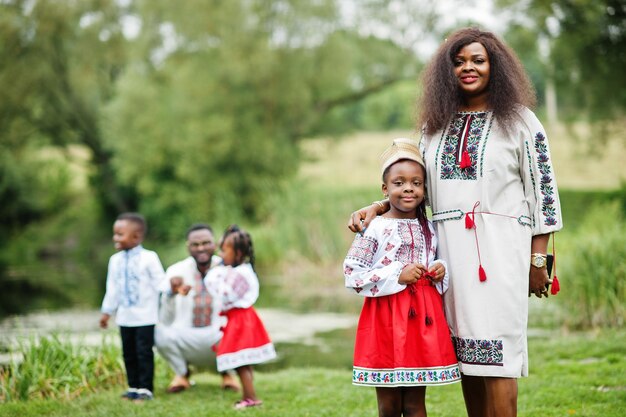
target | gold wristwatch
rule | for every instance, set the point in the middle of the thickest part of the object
(538, 260)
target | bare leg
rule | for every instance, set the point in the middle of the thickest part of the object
(389, 401)
(246, 377)
(475, 395)
(501, 397)
(414, 402)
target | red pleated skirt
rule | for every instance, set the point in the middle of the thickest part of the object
(403, 340)
(245, 340)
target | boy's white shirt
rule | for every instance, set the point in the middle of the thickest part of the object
(132, 292)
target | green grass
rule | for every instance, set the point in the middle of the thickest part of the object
(580, 374)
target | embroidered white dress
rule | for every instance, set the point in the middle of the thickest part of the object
(402, 338)
(245, 340)
(511, 187)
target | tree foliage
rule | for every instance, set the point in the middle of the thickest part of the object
(185, 111)
(586, 52)
(209, 125)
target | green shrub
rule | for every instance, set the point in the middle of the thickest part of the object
(592, 269)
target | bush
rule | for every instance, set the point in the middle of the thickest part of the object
(592, 269)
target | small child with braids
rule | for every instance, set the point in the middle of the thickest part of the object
(245, 341)
(402, 341)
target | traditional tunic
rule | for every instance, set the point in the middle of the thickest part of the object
(132, 284)
(245, 340)
(179, 338)
(402, 337)
(510, 193)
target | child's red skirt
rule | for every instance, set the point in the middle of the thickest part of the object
(403, 340)
(245, 340)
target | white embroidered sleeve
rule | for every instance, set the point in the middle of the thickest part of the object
(111, 299)
(539, 180)
(369, 277)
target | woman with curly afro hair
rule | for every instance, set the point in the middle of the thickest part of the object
(494, 199)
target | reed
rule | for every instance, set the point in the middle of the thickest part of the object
(53, 367)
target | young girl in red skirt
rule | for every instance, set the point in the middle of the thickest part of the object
(245, 341)
(402, 343)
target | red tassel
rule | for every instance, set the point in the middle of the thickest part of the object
(556, 287)
(469, 222)
(429, 320)
(465, 160)
(429, 275)
(412, 312)
(482, 275)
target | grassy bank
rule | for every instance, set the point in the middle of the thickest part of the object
(578, 374)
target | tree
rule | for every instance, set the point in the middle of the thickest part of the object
(55, 76)
(210, 126)
(187, 110)
(586, 52)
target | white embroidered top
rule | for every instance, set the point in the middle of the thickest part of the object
(176, 310)
(236, 287)
(132, 287)
(375, 259)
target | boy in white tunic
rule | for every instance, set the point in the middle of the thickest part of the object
(133, 277)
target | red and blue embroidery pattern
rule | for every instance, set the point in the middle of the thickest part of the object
(479, 351)
(464, 134)
(545, 182)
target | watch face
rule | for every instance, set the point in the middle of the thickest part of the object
(539, 261)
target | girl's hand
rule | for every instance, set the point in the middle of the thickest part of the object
(438, 271)
(411, 273)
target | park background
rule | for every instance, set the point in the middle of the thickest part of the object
(272, 114)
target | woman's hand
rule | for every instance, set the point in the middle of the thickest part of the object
(538, 277)
(360, 219)
(539, 280)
